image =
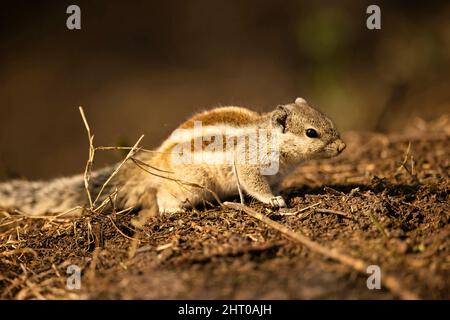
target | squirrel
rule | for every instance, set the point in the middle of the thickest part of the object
(191, 166)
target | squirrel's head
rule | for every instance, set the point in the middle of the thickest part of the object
(304, 132)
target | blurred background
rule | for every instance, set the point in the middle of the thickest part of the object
(141, 67)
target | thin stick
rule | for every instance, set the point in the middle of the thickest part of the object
(126, 211)
(10, 222)
(306, 208)
(403, 165)
(182, 182)
(102, 148)
(123, 234)
(129, 155)
(150, 166)
(68, 211)
(390, 282)
(107, 200)
(241, 196)
(90, 161)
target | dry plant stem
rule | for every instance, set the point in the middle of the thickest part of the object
(108, 200)
(10, 222)
(90, 161)
(129, 155)
(102, 148)
(56, 218)
(357, 264)
(182, 182)
(241, 196)
(123, 234)
(403, 165)
(149, 166)
(308, 207)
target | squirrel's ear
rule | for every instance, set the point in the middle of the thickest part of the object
(279, 118)
(300, 101)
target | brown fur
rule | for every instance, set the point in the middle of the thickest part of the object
(233, 116)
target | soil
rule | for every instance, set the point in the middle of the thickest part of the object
(389, 202)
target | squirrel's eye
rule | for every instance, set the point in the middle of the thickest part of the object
(311, 133)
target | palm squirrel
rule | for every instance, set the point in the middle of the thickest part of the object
(217, 152)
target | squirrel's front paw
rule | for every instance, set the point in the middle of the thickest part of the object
(278, 202)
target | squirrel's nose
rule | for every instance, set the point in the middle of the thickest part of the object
(340, 146)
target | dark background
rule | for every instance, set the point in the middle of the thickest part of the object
(141, 67)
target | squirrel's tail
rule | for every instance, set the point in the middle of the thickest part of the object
(49, 197)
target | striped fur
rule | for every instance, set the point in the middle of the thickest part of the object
(177, 185)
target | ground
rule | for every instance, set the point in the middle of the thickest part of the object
(389, 202)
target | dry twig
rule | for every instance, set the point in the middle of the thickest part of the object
(90, 161)
(238, 182)
(129, 155)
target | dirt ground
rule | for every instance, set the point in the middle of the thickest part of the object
(389, 202)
